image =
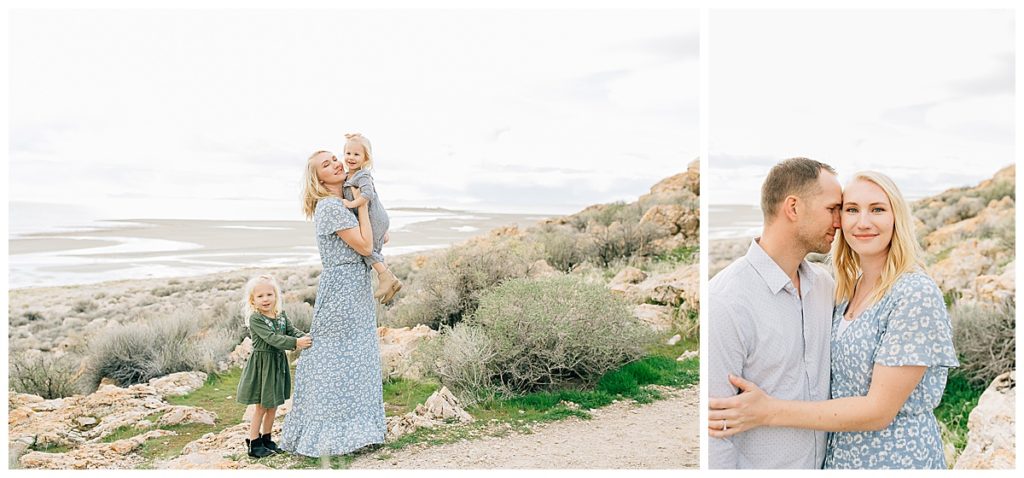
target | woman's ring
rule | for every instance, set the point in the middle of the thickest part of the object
(724, 426)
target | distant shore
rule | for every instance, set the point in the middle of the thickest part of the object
(166, 248)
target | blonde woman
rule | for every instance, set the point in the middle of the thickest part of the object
(891, 346)
(338, 403)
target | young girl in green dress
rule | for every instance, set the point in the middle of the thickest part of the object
(266, 381)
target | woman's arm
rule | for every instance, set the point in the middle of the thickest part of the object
(359, 239)
(889, 390)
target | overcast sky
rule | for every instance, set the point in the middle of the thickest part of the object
(924, 96)
(211, 114)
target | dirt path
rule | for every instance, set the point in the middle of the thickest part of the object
(658, 435)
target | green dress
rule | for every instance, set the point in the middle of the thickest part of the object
(266, 379)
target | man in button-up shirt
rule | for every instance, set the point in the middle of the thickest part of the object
(770, 316)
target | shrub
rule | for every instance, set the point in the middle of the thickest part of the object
(450, 284)
(536, 334)
(43, 375)
(984, 338)
(155, 347)
(33, 316)
(300, 314)
(83, 306)
(563, 247)
(622, 240)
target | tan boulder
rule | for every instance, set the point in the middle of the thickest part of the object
(541, 268)
(681, 286)
(239, 356)
(116, 455)
(657, 317)
(991, 425)
(623, 281)
(666, 219)
(398, 347)
(997, 215)
(968, 260)
(438, 408)
(177, 415)
(178, 384)
(993, 288)
(689, 354)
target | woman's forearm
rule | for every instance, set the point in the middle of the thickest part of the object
(837, 415)
(889, 390)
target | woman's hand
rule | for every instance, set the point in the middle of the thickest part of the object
(750, 409)
(304, 342)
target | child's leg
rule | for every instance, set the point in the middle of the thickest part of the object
(268, 419)
(380, 268)
(257, 419)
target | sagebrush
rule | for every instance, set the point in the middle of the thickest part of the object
(538, 334)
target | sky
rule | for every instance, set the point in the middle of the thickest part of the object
(212, 114)
(923, 96)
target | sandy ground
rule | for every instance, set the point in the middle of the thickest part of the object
(659, 435)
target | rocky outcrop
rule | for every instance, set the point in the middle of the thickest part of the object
(440, 407)
(990, 440)
(115, 455)
(178, 384)
(680, 287)
(398, 347)
(238, 356)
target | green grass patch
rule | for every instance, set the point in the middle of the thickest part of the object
(50, 449)
(402, 395)
(957, 402)
(681, 254)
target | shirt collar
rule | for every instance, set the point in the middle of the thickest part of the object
(772, 274)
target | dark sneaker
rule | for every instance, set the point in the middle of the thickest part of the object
(269, 444)
(256, 448)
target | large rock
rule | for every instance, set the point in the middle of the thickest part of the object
(990, 439)
(969, 259)
(438, 408)
(657, 317)
(681, 286)
(59, 422)
(996, 216)
(993, 288)
(177, 415)
(178, 384)
(208, 461)
(398, 347)
(624, 281)
(115, 455)
(238, 356)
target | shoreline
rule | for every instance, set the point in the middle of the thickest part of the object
(141, 249)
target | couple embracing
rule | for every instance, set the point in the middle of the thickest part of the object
(811, 371)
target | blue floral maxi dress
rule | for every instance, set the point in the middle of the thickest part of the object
(908, 326)
(339, 399)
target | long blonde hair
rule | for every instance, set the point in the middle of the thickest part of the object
(904, 252)
(312, 190)
(367, 149)
(247, 307)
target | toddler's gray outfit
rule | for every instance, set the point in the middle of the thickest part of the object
(378, 216)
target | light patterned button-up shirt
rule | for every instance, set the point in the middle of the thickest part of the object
(763, 330)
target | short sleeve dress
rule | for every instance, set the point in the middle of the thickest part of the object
(908, 326)
(266, 380)
(339, 399)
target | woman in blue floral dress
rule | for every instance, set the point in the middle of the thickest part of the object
(338, 403)
(892, 347)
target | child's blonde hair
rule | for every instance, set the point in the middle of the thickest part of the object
(312, 190)
(248, 308)
(365, 143)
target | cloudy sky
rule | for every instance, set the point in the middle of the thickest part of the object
(924, 96)
(211, 114)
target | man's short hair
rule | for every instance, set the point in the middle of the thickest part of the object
(792, 177)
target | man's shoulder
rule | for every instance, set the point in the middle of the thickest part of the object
(822, 275)
(737, 274)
